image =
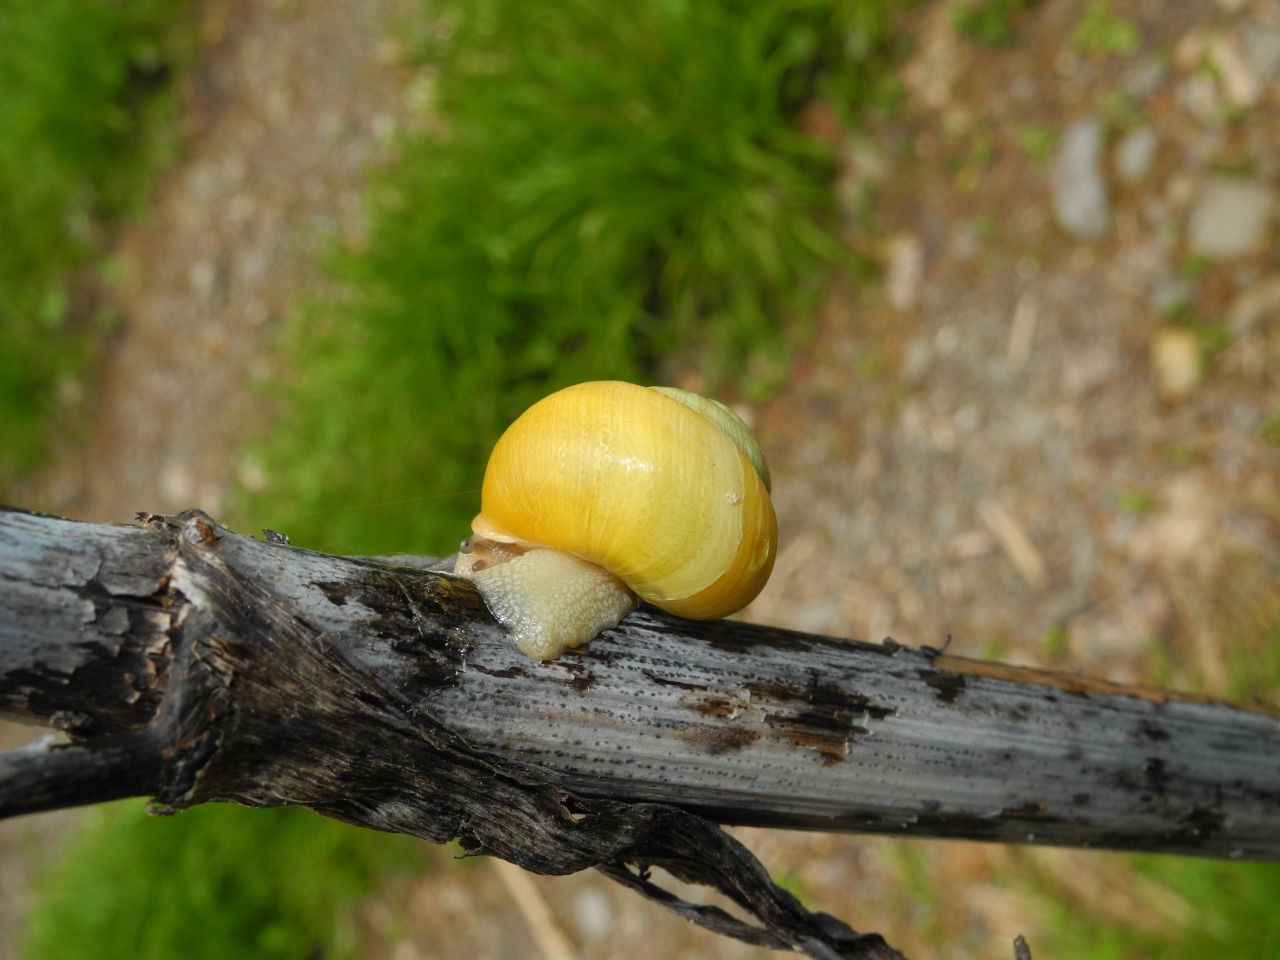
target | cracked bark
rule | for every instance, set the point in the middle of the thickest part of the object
(188, 663)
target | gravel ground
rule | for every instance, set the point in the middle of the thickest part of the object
(1048, 433)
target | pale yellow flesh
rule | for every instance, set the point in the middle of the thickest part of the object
(551, 601)
(666, 501)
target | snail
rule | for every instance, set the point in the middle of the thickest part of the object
(606, 493)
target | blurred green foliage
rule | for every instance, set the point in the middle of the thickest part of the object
(1102, 31)
(593, 188)
(989, 22)
(597, 187)
(1176, 909)
(213, 882)
(84, 82)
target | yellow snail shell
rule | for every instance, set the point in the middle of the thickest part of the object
(606, 491)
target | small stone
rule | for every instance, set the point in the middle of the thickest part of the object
(594, 914)
(1168, 293)
(1135, 154)
(1145, 78)
(204, 277)
(1188, 52)
(1235, 70)
(1180, 191)
(916, 361)
(1258, 303)
(865, 159)
(1090, 367)
(1080, 202)
(1023, 88)
(1231, 218)
(1181, 529)
(965, 241)
(1263, 47)
(1199, 96)
(905, 273)
(1175, 363)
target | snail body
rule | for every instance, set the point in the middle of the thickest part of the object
(606, 493)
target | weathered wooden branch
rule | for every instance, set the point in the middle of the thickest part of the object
(189, 663)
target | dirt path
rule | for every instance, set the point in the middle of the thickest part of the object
(1007, 442)
(287, 107)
